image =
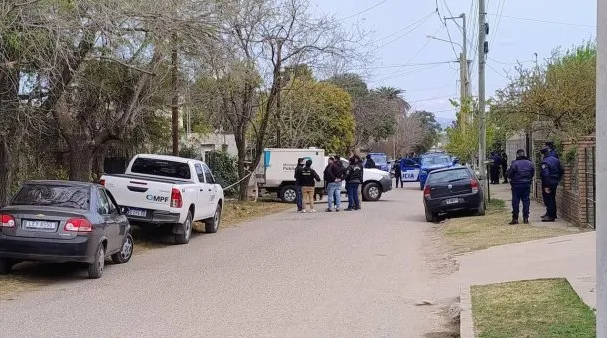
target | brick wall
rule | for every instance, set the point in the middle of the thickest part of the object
(575, 193)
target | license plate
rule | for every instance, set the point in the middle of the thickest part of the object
(137, 212)
(39, 225)
(452, 201)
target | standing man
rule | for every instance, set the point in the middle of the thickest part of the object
(521, 174)
(552, 171)
(333, 178)
(398, 173)
(362, 178)
(298, 185)
(505, 165)
(353, 179)
(308, 176)
(495, 168)
(370, 164)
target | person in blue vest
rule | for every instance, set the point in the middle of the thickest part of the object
(552, 171)
(521, 174)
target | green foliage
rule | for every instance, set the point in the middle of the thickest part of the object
(189, 152)
(570, 156)
(352, 83)
(431, 131)
(463, 137)
(224, 170)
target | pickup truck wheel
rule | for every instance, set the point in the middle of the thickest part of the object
(288, 194)
(184, 238)
(96, 268)
(212, 224)
(126, 251)
(372, 192)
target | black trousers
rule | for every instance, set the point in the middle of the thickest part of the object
(550, 200)
(495, 174)
(504, 169)
(399, 178)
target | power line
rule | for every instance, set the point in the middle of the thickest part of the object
(544, 21)
(410, 64)
(417, 23)
(498, 73)
(364, 11)
(445, 24)
(508, 63)
(498, 19)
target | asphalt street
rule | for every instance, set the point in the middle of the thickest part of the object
(347, 274)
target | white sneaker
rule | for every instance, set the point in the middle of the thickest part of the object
(303, 211)
(313, 210)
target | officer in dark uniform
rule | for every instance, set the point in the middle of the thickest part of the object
(552, 171)
(521, 174)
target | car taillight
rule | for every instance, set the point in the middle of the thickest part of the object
(7, 221)
(176, 201)
(474, 185)
(78, 225)
(102, 182)
(427, 192)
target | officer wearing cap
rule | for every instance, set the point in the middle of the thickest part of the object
(552, 171)
(521, 174)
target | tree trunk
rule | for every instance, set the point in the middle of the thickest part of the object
(241, 146)
(5, 171)
(81, 160)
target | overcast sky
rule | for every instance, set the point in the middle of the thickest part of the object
(407, 59)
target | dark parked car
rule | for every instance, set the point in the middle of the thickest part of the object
(452, 189)
(63, 221)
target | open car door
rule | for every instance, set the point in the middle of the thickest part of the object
(409, 170)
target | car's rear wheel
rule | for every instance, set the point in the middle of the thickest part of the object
(96, 268)
(184, 238)
(126, 251)
(480, 211)
(288, 194)
(212, 225)
(6, 265)
(430, 216)
(371, 192)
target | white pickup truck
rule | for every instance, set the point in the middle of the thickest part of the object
(168, 191)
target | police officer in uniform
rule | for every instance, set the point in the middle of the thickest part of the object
(552, 171)
(521, 174)
(552, 148)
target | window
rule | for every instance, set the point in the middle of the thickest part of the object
(435, 160)
(449, 176)
(112, 202)
(62, 196)
(199, 173)
(103, 205)
(379, 159)
(208, 175)
(158, 167)
(409, 163)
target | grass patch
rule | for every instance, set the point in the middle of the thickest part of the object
(240, 212)
(467, 234)
(545, 308)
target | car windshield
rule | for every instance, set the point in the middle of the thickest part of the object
(164, 168)
(63, 196)
(448, 176)
(379, 159)
(435, 160)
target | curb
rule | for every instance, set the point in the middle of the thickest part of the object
(466, 325)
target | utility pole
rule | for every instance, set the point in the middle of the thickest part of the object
(175, 100)
(483, 48)
(463, 68)
(601, 171)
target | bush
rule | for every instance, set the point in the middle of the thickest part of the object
(224, 170)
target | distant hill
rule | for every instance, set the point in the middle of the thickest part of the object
(445, 121)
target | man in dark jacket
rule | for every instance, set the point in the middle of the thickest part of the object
(521, 174)
(333, 176)
(504, 164)
(308, 176)
(550, 145)
(552, 171)
(353, 177)
(298, 186)
(398, 173)
(370, 164)
(495, 168)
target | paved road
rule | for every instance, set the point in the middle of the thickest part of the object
(355, 274)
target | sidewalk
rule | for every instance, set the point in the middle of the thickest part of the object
(572, 257)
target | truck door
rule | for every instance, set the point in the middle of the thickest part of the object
(204, 191)
(211, 191)
(409, 170)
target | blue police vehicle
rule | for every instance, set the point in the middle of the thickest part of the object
(410, 169)
(434, 161)
(381, 161)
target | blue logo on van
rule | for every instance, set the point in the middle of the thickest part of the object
(157, 199)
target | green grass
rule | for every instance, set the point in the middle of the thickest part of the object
(545, 308)
(470, 233)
